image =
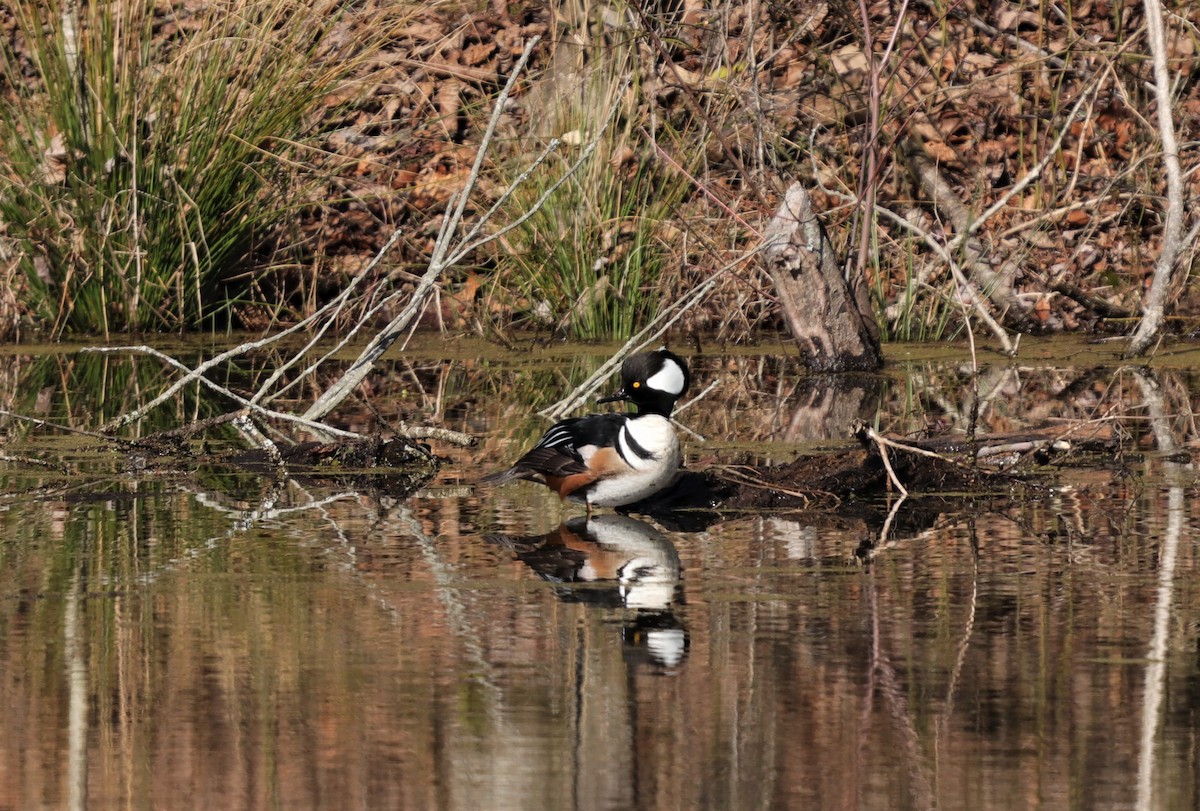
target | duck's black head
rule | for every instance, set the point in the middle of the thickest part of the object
(652, 381)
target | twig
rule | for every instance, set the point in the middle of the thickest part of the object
(183, 432)
(67, 428)
(879, 439)
(442, 434)
(1092, 302)
(883, 446)
(29, 460)
(1021, 447)
(716, 382)
(190, 374)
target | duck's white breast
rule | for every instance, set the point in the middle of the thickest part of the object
(653, 434)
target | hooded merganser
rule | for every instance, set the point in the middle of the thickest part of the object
(607, 460)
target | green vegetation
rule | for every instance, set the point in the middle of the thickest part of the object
(146, 153)
(592, 262)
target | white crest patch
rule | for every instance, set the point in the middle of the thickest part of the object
(669, 378)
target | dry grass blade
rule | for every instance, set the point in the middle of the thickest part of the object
(138, 170)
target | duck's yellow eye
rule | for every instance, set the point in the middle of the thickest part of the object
(637, 385)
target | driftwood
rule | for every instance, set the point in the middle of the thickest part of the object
(829, 317)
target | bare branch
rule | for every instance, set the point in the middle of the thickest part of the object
(1152, 314)
(438, 263)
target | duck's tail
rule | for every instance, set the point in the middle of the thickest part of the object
(503, 477)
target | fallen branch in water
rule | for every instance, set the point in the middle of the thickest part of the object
(448, 251)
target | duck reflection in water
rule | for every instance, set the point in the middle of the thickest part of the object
(614, 561)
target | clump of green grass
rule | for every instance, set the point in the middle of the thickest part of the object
(144, 148)
(592, 261)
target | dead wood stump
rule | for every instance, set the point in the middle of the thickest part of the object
(830, 318)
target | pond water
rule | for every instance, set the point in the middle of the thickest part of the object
(197, 636)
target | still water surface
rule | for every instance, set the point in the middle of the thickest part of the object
(203, 639)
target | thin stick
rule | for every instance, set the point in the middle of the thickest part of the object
(716, 382)
(29, 460)
(883, 446)
(67, 428)
(312, 425)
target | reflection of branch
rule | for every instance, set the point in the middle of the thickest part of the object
(1156, 670)
(891, 516)
(890, 689)
(198, 374)
(1156, 410)
(965, 641)
(450, 596)
(78, 705)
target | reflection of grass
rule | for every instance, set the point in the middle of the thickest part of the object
(136, 168)
(87, 390)
(591, 262)
(504, 398)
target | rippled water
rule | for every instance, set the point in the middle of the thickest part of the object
(191, 638)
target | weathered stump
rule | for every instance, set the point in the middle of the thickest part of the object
(830, 318)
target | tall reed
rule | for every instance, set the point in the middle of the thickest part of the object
(144, 149)
(593, 261)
